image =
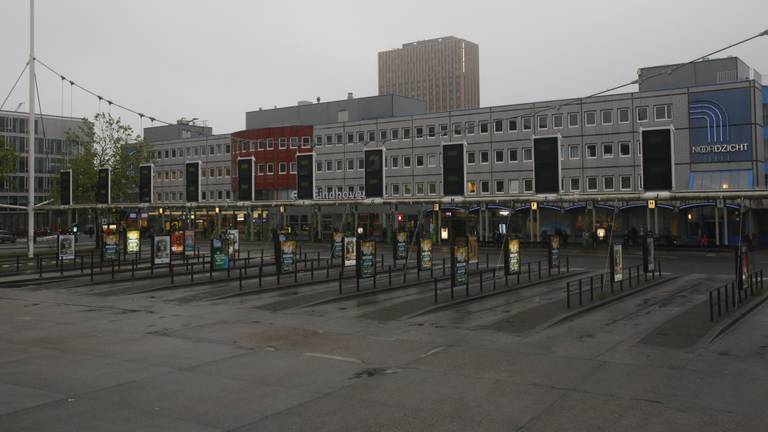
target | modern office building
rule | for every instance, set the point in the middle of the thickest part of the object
(444, 72)
(52, 154)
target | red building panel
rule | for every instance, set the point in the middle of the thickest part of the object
(274, 146)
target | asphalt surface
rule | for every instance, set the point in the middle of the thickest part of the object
(139, 354)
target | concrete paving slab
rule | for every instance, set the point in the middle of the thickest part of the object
(203, 399)
(290, 370)
(67, 373)
(561, 372)
(78, 414)
(14, 398)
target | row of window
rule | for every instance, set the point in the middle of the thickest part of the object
(394, 162)
(606, 117)
(204, 172)
(269, 144)
(574, 184)
(269, 168)
(185, 152)
(219, 195)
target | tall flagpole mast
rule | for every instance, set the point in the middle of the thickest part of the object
(31, 138)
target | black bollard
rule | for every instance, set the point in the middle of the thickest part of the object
(91, 266)
(434, 282)
(261, 269)
(312, 271)
(580, 303)
(340, 276)
(170, 270)
(390, 275)
(568, 294)
(529, 271)
(494, 279)
(711, 308)
(240, 279)
(539, 269)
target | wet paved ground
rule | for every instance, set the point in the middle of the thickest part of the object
(75, 357)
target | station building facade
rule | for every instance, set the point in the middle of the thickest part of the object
(715, 125)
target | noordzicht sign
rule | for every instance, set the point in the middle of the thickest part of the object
(720, 125)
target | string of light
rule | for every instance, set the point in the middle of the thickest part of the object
(110, 102)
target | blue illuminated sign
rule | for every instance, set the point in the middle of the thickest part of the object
(720, 125)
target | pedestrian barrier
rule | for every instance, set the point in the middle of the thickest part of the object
(729, 297)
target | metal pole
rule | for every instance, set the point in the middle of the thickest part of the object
(31, 137)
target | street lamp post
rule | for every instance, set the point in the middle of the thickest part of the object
(31, 137)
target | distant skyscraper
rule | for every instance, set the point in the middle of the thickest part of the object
(444, 72)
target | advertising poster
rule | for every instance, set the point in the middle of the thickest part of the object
(220, 258)
(110, 238)
(133, 241)
(189, 242)
(513, 256)
(177, 242)
(288, 256)
(338, 240)
(367, 259)
(161, 249)
(401, 245)
(66, 246)
(234, 240)
(554, 251)
(472, 249)
(618, 263)
(350, 251)
(425, 254)
(459, 265)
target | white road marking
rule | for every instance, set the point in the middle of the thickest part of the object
(333, 357)
(432, 351)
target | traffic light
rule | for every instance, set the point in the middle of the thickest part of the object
(305, 176)
(146, 191)
(193, 182)
(103, 186)
(65, 183)
(245, 179)
(74, 228)
(400, 217)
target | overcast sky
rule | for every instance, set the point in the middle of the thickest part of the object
(218, 59)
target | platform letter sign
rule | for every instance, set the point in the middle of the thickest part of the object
(401, 245)
(554, 251)
(287, 256)
(425, 254)
(193, 182)
(374, 173)
(161, 249)
(546, 165)
(65, 184)
(146, 191)
(453, 169)
(103, 186)
(245, 179)
(513, 256)
(367, 262)
(649, 253)
(617, 263)
(350, 251)
(66, 246)
(459, 262)
(305, 176)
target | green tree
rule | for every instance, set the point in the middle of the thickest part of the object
(8, 158)
(105, 142)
